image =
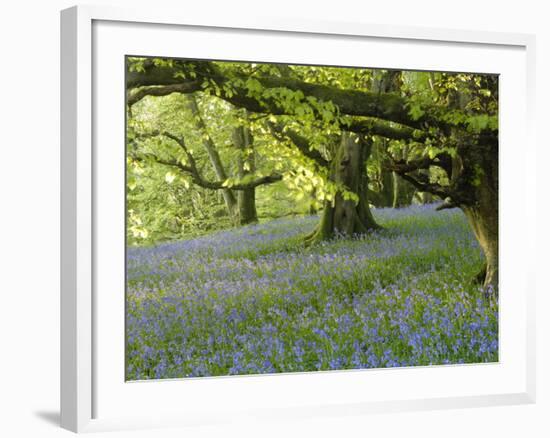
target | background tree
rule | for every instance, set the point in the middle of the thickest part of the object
(440, 132)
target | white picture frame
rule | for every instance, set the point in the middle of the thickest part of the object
(83, 369)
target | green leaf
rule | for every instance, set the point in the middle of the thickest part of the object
(169, 177)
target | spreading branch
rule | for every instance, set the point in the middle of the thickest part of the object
(423, 185)
(382, 128)
(193, 171)
(133, 97)
(387, 106)
(442, 160)
(299, 141)
(422, 182)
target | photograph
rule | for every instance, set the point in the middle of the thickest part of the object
(290, 218)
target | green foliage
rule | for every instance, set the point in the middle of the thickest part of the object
(416, 111)
(135, 64)
(166, 202)
(481, 122)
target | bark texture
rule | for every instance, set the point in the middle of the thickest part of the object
(482, 213)
(346, 216)
(246, 165)
(163, 80)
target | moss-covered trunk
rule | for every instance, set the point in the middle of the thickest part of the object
(346, 215)
(484, 223)
(483, 218)
(480, 172)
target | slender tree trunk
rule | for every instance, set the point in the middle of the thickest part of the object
(424, 197)
(228, 195)
(382, 196)
(403, 192)
(387, 189)
(347, 216)
(312, 204)
(246, 166)
(390, 82)
(397, 191)
(247, 206)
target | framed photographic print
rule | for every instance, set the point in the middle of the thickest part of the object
(290, 218)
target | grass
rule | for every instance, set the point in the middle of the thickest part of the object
(256, 300)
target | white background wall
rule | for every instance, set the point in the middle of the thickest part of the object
(29, 218)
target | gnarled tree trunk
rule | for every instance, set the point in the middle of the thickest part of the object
(347, 216)
(482, 214)
(484, 222)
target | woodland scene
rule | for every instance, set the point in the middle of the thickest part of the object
(291, 218)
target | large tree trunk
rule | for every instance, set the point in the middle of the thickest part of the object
(346, 216)
(484, 222)
(246, 165)
(478, 180)
(474, 178)
(483, 213)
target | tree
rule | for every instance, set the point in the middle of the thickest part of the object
(349, 213)
(246, 164)
(466, 155)
(185, 159)
(210, 147)
(446, 123)
(345, 207)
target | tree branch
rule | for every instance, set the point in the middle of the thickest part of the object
(442, 160)
(403, 168)
(382, 128)
(183, 88)
(447, 203)
(299, 141)
(193, 171)
(387, 106)
(425, 186)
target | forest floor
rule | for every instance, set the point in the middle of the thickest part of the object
(256, 300)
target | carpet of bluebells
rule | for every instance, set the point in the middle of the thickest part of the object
(256, 300)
